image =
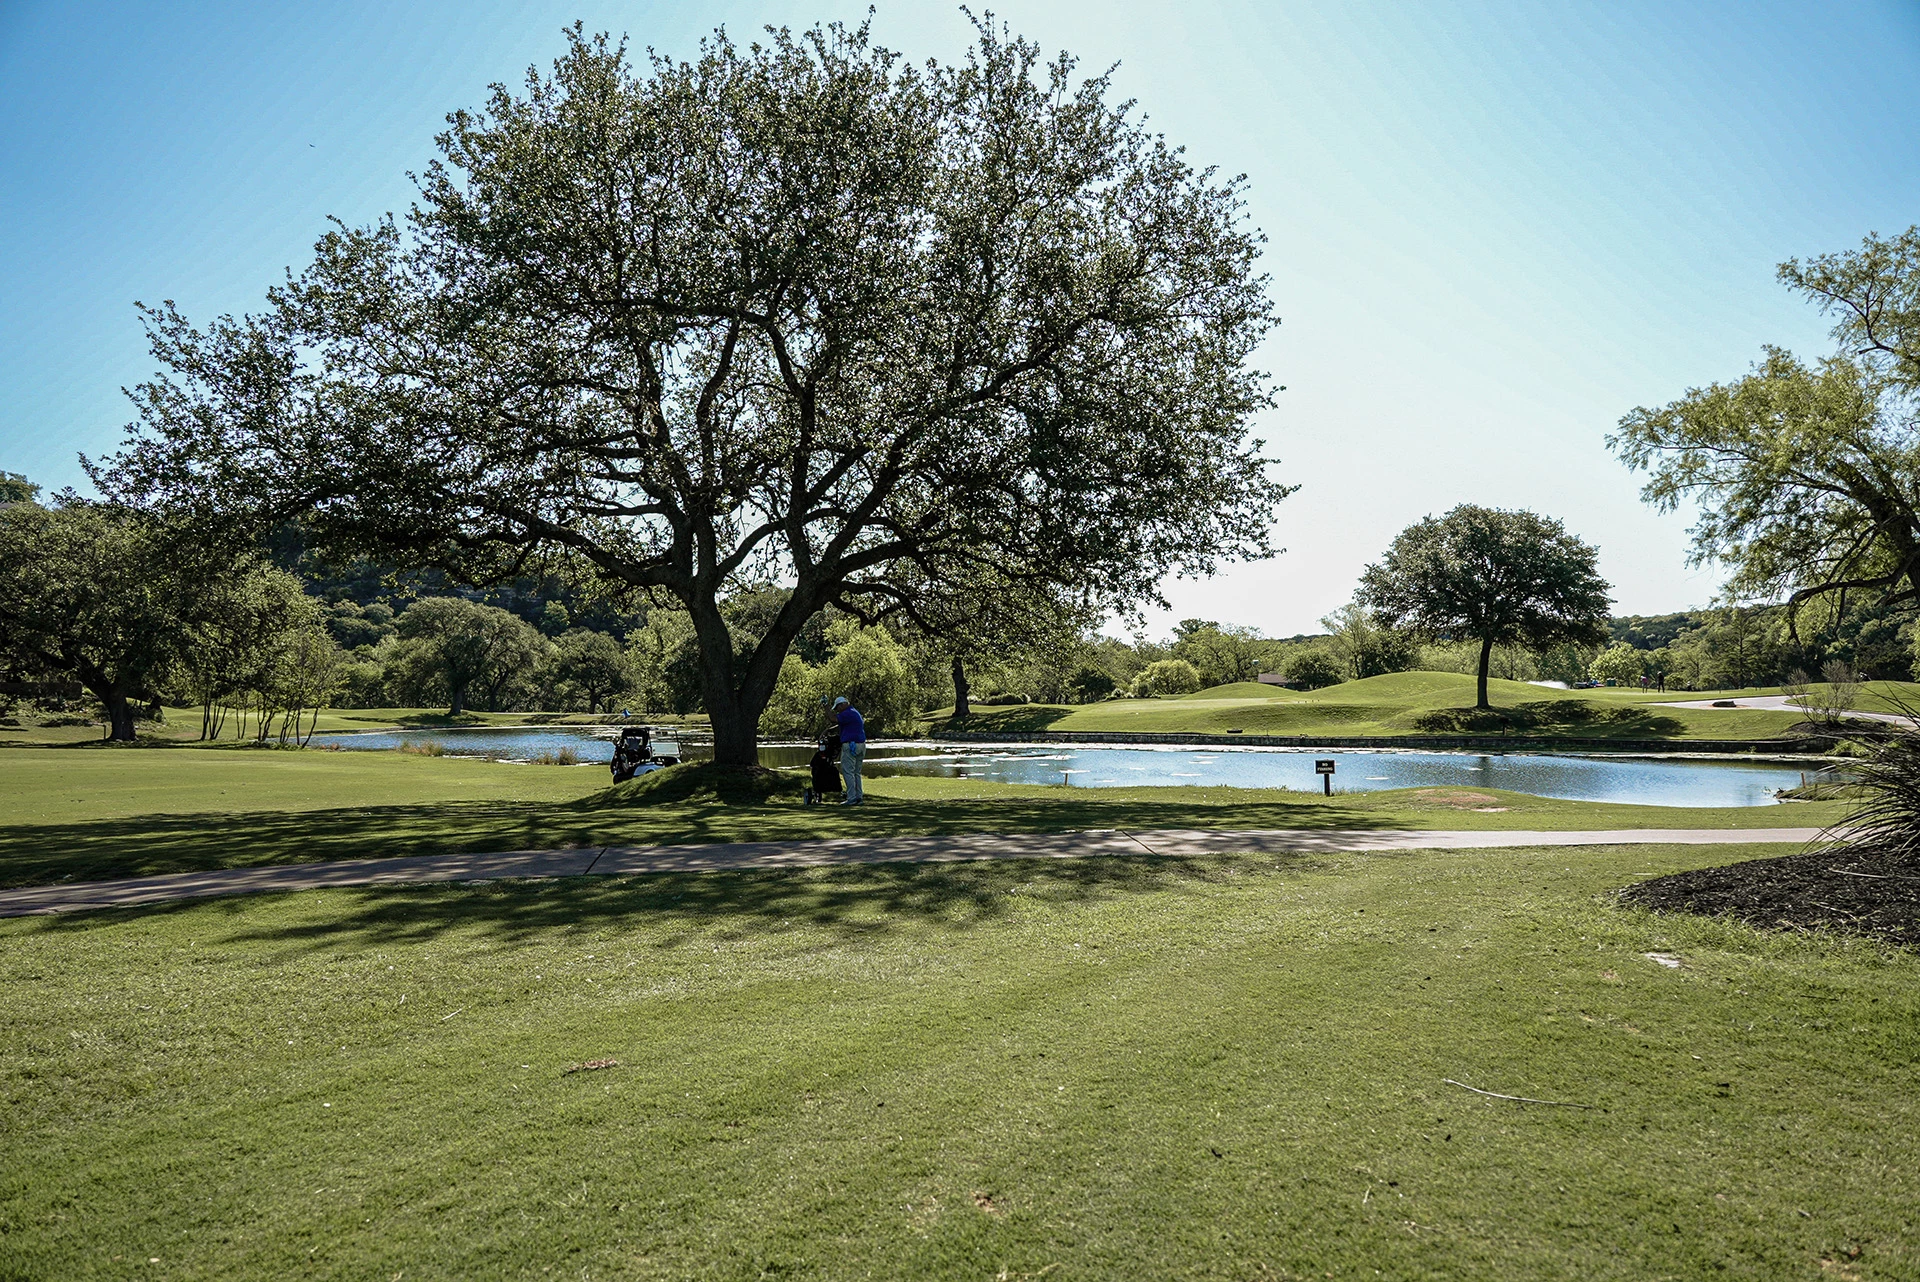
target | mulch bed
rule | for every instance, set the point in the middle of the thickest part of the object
(1859, 892)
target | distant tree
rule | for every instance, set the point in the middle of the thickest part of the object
(795, 710)
(302, 674)
(1618, 663)
(233, 637)
(1167, 677)
(1566, 662)
(15, 488)
(1220, 655)
(1091, 683)
(99, 593)
(1803, 474)
(1734, 649)
(1494, 576)
(467, 646)
(595, 664)
(554, 619)
(869, 667)
(799, 311)
(1364, 648)
(1314, 666)
(666, 663)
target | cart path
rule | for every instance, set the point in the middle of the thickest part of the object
(1778, 703)
(620, 861)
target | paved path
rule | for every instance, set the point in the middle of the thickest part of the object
(1781, 703)
(630, 860)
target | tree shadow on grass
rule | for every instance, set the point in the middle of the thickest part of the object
(1012, 719)
(1579, 717)
(850, 902)
(147, 845)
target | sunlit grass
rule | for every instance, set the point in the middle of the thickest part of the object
(1230, 1067)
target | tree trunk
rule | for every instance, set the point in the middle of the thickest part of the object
(736, 733)
(961, 707)
(119, 716)
(1486, 658)
(459, 701)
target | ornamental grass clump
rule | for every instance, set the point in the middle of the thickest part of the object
(1888, 784)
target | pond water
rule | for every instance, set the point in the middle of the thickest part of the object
(1659, 781)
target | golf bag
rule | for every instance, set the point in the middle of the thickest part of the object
(824, 766)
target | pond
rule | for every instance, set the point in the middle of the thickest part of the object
(1658, 781)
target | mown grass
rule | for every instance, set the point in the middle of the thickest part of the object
(1217, 1068)
(182, 725)
(72, 815)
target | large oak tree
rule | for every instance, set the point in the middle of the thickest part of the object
(1492, 576)
(98, 593)
(1807, 474)
(798, 312)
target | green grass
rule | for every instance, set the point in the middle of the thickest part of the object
(1218, 1068)
(182, 725)
(81, 815)
(1398, 704)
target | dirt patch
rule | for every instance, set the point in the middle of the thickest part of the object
(1854, 891)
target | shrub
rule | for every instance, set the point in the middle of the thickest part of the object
(1888, 775)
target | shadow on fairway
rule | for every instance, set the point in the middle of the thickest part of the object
(147, 845)
(852, 902)
(1548, 717)
(1021, 719)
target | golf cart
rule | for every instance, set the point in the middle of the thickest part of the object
(634, 755)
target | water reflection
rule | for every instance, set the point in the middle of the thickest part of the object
(1647, 780)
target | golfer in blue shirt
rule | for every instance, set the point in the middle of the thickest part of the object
(853, 748)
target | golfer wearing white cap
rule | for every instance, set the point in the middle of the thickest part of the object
(853, 748)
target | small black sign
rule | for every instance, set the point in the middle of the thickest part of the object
(1323, 767)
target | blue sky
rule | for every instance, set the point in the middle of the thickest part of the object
(1493, 228)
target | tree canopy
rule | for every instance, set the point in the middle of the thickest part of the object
(1492, 576)
(1807, 475)
(97, 592)
(799, 313)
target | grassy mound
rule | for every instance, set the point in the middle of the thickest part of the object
(1241, 690)
(700, 781)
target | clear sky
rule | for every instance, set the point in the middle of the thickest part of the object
(1494, 228)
